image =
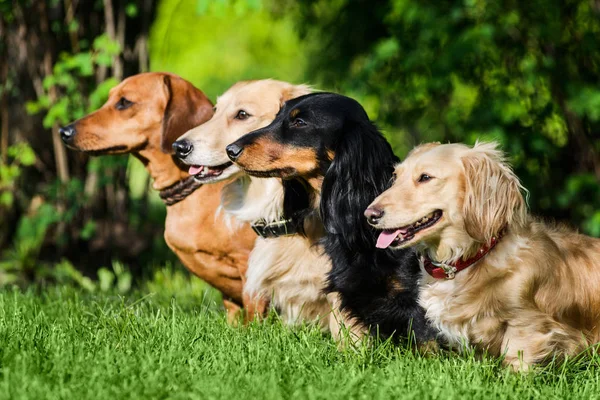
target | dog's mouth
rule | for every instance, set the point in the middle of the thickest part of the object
(403, 235)
(203, 173)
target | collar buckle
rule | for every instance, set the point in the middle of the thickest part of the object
(449, 270)
(258, 227)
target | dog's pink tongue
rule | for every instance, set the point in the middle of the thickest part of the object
(195, 169)
(386, 238)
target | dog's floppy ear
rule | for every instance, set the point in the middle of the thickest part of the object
(187, 107)
(362, 168)
(493, 198)
(293, 91)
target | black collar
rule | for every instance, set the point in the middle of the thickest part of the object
(284, 227)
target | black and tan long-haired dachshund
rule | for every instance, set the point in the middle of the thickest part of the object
(325, 145)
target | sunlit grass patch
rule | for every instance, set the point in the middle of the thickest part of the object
(176, 343)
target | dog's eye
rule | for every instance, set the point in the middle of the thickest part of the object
(298, 122)
(123, 104)
(242, 115)
(424, 178)
(394, 177)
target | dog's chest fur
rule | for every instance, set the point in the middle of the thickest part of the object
(292, 274)
(474, 308)
(288, 270)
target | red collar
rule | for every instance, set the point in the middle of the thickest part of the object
(447, 271)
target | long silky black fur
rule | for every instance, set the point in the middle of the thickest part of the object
(363, 275)
(296, 203)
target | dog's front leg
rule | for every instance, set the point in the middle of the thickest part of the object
(345, 331)
(256, 307)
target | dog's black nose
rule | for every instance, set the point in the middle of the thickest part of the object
(373, 215)
(67, 133)
(234, 151)
(182, 148)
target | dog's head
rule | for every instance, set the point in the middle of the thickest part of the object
(145, 110)
(246, 106)
(442, 193)
(302, 139)
(327, 141)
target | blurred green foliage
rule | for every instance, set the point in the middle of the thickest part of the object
(45, 219)
(18, 156)
(523, 73)
(60, 214)
(66, 78)
(65, 215)
(61, 202)
(215, 43)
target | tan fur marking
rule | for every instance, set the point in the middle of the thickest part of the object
(395, 287)
(267, 155)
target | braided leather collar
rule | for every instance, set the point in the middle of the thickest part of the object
(264, 229)
(179, 190)
(448, 270)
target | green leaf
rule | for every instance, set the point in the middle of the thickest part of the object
(387, 49)
(33, 107)
(87, 284)
(83, 62)
(106, 279)
(89, 229)
(131, 10)
(102, 43)
(123, 275)
(103, 59)
(592, 225)
(100, 94)
(202, 6)
(22, 153)
(555, 128)
(49, 81)
(6, 199)
(586, 102)
(124, 282)
(73, 26)
(60, 111)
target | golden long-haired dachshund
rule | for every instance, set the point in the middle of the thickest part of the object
(492, 276)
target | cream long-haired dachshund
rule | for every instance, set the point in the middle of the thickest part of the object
(492, 276)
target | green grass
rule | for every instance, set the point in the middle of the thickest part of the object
(168, 340)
